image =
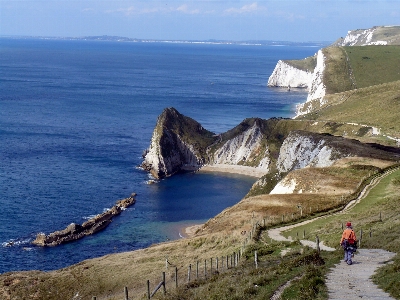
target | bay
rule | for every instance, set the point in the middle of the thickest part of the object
(75, 117)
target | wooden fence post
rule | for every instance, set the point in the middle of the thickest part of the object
(227, 260)
(380, 216)
(189, 271)
(370, 232)
(126, 293)
(317, 241)
(163, 278)
(217, 263)
(256, 259)
(205, 268)
(211, 265)
(148, 289)
(304, 233)
(176, 277)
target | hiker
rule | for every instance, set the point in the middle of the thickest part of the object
(349, 243)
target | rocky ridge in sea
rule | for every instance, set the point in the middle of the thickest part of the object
(74, 231)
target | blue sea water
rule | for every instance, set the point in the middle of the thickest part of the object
(75, 117)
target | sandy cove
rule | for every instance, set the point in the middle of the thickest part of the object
(236, 169)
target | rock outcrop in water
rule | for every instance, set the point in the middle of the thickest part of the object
(178, 143)
(75, 231)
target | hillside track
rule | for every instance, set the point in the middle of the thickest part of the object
(354, 282)
(344, 281)
(276, 233)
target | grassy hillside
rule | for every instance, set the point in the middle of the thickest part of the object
(372, 65)
(388, 33)
(348, 68)
(307, 64)
(337, 74)
(229, 232)
(377, 106)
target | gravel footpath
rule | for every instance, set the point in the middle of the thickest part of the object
(353, 282)
(346, 282)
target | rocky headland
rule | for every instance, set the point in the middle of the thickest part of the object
(272, 148)
(75, 232)
(310, 72)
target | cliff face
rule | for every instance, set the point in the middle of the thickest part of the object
(178, 143)
(302, 149)
(317, 89)
(379, 35)
(244, 149)
(285, 75)
(277, 146)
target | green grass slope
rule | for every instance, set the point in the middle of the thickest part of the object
(307, 64)
(372, 65)
(377, 106)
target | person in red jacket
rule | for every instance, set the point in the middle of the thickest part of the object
(349, 243)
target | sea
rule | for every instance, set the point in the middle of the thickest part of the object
(76, 116)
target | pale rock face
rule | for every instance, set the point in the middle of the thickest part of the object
(182, 155)
(285, 75)
(300, 151)
(317, 88)
(361, 38)
(284, 187)
(241, 148)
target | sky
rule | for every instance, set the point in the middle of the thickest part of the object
(240, 20)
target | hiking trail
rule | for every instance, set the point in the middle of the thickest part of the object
(344, 281)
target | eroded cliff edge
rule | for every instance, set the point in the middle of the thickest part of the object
(275, 146)
(331, 70)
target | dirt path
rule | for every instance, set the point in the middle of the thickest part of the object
(353, 282)
(343, 281)
(276, 233)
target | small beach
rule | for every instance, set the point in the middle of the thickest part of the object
(236, 169)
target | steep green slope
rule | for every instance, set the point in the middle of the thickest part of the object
(307, 64)
(377, 106)
(372, 65)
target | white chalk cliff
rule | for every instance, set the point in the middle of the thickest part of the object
(300, 150)
(362, 37)
(317, 88)
(245, 147)
(285, 186)
(285, 75)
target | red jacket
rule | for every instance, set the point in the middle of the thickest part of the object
(348, 233)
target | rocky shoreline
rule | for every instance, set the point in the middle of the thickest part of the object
(75, 232)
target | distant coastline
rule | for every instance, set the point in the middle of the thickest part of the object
(107, 38)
